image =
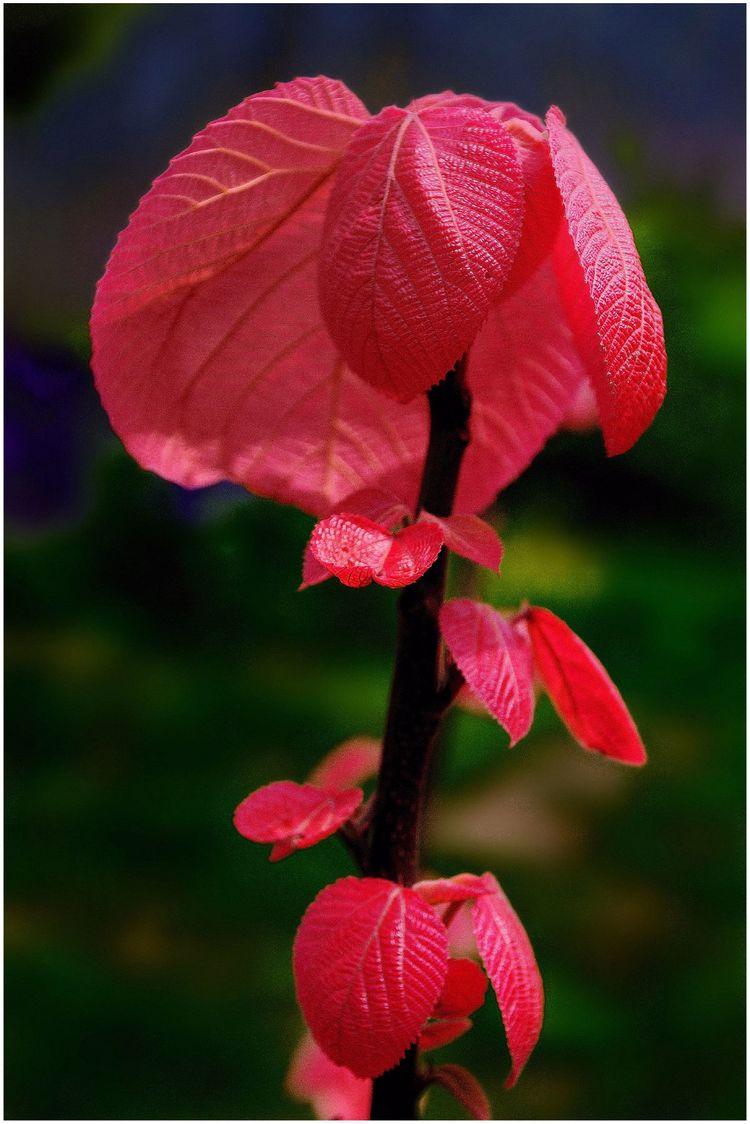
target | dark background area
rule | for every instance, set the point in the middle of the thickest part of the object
(160, 663)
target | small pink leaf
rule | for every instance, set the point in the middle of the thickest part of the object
(413, 552)
(441, 1032)
(313, 572)
(582, 692)
(381, 507)
(348, 764)
(495, 661)
(421, 231)
(471, 537)
(465, 1088)
(463, 991)
(333, 1091)
(617, 320)
(370, 959)
(351, 547)
(459, 888)
(509, 960)
(293, 816)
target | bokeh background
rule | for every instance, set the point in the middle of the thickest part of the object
(160, 663)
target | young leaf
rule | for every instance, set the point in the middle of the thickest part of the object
(209, 350)
(294, 816)
(495, 661)
(441, 1032)
(421, 231)
(333, 1091)
(471, 537)
(370, 959)
(523, 372)
(348, 764)
(357, 550)
(313, 572)
(509, 960)
(459, 888)
(463, 991)
(465, 1088)
(582, 692)
(617, 319)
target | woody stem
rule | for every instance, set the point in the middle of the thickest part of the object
(418, 701)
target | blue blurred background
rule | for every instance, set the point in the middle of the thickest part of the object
(160, 663)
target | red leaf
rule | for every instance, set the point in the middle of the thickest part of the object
(313, 572)
(495, 661)
(441, 1032)
(293, 816)
(459, 888)
(463, 991)
(333, 1091)
(413, 552)
(421, 230)
(465, 1088)
(524, 371)
(471, 537)
(348, 764)
(381, 507)
(209, 350)
(583, 693)
(370, 958)
(617, 319)
(357, 550)
(509, 960)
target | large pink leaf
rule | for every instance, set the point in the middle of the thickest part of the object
(580, 688)
(370, 959)
(494, 659)
(524, 372)
(509, 959)
(333, 1091)
(422, 228)
(617, 319)
(465, 1088)
(208, 347)
(350, 763)
(358, 551)
(471, 537)
(294, 816)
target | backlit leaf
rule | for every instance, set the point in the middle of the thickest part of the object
(494, 659)
(358, 551)
(370, 959)
(348, 764)
(421, 231)
(582, 692)
(510, 963)
(294, 816)
(471, 537)
(333, 1091)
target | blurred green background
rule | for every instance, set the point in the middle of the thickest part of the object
(160, 663)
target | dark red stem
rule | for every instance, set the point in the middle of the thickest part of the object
(418, 701)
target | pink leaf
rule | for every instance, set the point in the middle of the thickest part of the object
(465, 1088)
(463, 991)
(413, 552)
(441, 1032)
(495, 661)
(583, 693)
(357, 550)
(617, 320)
(524, 371)
(293, 816)
(509, 960)
(459, 888)
(313, 572)
(471, 537)
(381, 507)
(421, 230)
(333, 1091)
(370, 958)
(209, 350)
(348, 764)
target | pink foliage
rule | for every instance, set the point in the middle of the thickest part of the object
(463, 991)
(471, 537)
(333, 1091)
(583, 693)
(351, 763)
(358, 551)
(294, 816)
(510, 963)
(464, 1087)
(494, 659)
(459, 888)
(370, 960)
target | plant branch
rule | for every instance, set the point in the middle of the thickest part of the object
(421, 692)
